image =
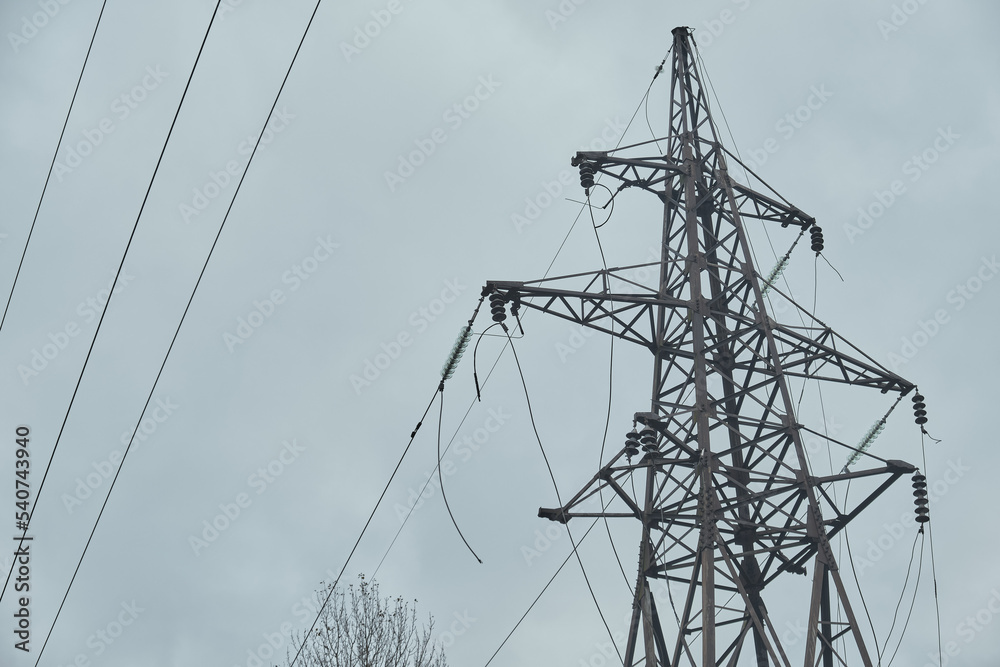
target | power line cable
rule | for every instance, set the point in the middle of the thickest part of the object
(364, 529)
(857, 582)
(544, 588)
(555, 485)
(902, 593)
(454, 435)
(159, 161)
(930, 539)
(441, 478)
(194, 289)
(611, 362)
(114, 283)
(55, 154)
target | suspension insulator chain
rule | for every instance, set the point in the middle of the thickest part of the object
(816, 237)
(498, 309)
(631, 443)
(919, 413)
(587, 176)
(648, 439)
(920, 498)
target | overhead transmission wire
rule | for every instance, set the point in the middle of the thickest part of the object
(611, 362)
(555, 485)
(420, 493)
(364, 529)
(149, 188)
(542, 592)
(735, 147)
(100, 321)
(902, 594)
(31, 230)
(857, 582)
(881, 650)
(930, 539)
(456, 354)
(55, 154)
(197, 283)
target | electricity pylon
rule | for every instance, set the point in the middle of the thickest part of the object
(729, 502)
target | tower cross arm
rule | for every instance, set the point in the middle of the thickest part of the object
(806, 356)
(753, 204)
(643, 172)
(627, 316)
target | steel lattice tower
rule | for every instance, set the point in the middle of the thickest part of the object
(729, 502)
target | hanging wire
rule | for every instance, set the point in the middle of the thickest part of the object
(364, 529)
(441, 478)
(913, 600)
(544, 588)
(555, 485)
(857, 582)
(454, 435)
(607, 422)
(930, 539)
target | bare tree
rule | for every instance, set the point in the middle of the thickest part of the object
(357, 628)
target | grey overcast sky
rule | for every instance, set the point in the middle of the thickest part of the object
(418, 150)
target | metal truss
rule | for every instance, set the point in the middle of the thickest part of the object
(723, 489)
